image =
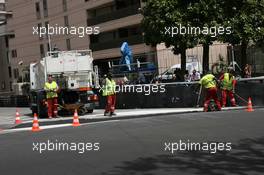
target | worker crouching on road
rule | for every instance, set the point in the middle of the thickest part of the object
(109, 91)
(209, 82)
(51, 89)
(228, 83)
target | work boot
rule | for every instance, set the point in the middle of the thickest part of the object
(112, 113)
(105, 113)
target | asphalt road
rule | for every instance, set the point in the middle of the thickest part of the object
(137, 147)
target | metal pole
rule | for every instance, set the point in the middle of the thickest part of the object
(49, 42)
(241, 98)
(233, 59)
(199, 96)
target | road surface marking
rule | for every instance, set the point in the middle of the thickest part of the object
(55, 126)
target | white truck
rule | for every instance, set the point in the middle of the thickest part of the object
(74, 73)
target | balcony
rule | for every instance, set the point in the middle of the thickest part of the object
(131, 10)
(132, 40)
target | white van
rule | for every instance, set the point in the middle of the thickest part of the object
(169, 73)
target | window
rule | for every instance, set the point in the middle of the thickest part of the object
(48, 46)
(64, 3)
(6, 42)
(10, 71)
(42, 51)
(38, 10)
(66, 21)
(7, 57)
(39, 27)
(3, 86)
(2, 7)
(120, 4)
(47, 26)
(14, 53)
(16, 73)
(123, 33)
(134, 31)
(68, 43)
(11, 83)
(45, 8)
(94, 38)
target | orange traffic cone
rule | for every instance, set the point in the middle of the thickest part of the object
(18, 120)
(35, 126)
(76, 119)
(250, 108)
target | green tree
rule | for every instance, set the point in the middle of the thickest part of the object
(246, 17)
(162, 22)
(206, 14)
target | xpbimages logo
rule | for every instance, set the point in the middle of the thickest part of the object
(190, 30)
(212, 147)
(59, 30)
(146, 89)
(50, 146)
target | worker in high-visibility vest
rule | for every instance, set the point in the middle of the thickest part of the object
(209, 82)
(228, 83)
(109, 91)
(51, 89)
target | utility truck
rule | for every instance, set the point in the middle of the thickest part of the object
(74, 73)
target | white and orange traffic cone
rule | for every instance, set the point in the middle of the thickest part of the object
(76, 121)
(18, 120)
(250, 107)
(35, 126)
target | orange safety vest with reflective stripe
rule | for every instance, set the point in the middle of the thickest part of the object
(51, 89)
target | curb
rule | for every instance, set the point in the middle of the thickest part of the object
(93, 120)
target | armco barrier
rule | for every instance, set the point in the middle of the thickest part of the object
(186, 95)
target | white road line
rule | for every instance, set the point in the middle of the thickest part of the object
(52, 126)
(100, 116)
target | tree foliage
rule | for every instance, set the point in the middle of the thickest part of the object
(245, 17)
(160, 15)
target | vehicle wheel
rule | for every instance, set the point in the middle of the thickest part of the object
(81, 111)
(90, 111)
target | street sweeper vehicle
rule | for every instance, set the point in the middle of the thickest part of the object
(76, 78)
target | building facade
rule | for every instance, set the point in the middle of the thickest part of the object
(116, 20)
(5, 67)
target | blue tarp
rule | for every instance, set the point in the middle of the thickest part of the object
(127, 56)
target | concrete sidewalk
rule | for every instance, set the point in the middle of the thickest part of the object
(7, 116)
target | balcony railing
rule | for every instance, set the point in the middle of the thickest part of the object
(132, 10)
(136, 39)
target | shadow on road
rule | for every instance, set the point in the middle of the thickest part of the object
(247, 157)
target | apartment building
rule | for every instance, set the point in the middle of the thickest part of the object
(117, 21)
(5, 68)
